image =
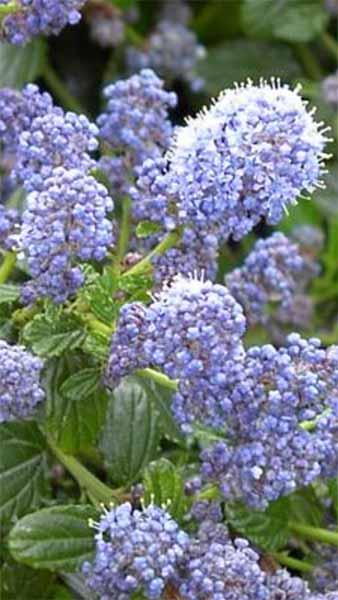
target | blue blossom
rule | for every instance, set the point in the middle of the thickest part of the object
(271, 276)
(9, 227)
(20, 390)
(135, 551)
(35, 17)
(330, 89)
(173, 51)
(135, 125)
(267, 452)
(218, 568)
(17, 111)
(192, 332)
(55, 139)
(249, 156)
(65, 221)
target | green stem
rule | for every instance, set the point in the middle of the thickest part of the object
(123, 240)
(8, 9)
(57, 86)
(311, 425)
(309, 62)
(145, 264)
(7, 266)
(330, 44)
(97, 491)
(97, 326)
(314, 533)
(158, 378)
(209, 493)
(293, 563)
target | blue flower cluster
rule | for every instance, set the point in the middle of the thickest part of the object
(192, 332)
(35, 17)
(330, 89)
(325, 574)
(146, 551)
(135, 125)
(55, 139)
(270, 277)
(65, 220)
(268, 452)
(9, 220)
(172, 51)
(17, 111)
(247, 157)
(135, 550)
(20, 390)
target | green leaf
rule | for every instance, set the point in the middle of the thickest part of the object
(76, 404)
(131, 433)
(268, 529)
(146, 228)
(288, 20)
(52, 333)
(81, 384)
(22, 469)
(9, 293)
(77, 583)
(20, 583)
(304, 507)
(57, 538)
(98, 293)
(163, 485)
(161, 398)
(333, 490)
(20, 65)
(239, 59)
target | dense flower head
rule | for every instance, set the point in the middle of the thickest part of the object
(35, 17)
(65, 221)
(176, 11)
(135, 124)
(56, 139)
(325, 573)
(248, 156)
(20, 390)
(17, 111)
(191, 329)
(9, 225)
(135, 550)
(268, 452)
(173, 51)
(221, 569)
(271, 275)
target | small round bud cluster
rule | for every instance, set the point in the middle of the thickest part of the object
(220, 569)
(66, 220)
(176, 11)
(330, 90)
(35, 17)
(20, 390)
(106, 24)
(135, 124)
(272, 274)
(325, 573)
(192, 332)
(9, 222)
(56, 139)
(135, 551)
(269, 452)
(172, 51)
(17, 111)
(247, 157)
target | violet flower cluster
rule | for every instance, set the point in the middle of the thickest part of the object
(192, 332)
(268, 451)
(271, 277)
(20, 390)
(34, 17)
(146, 551)
(134, 126)
(66, 213)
